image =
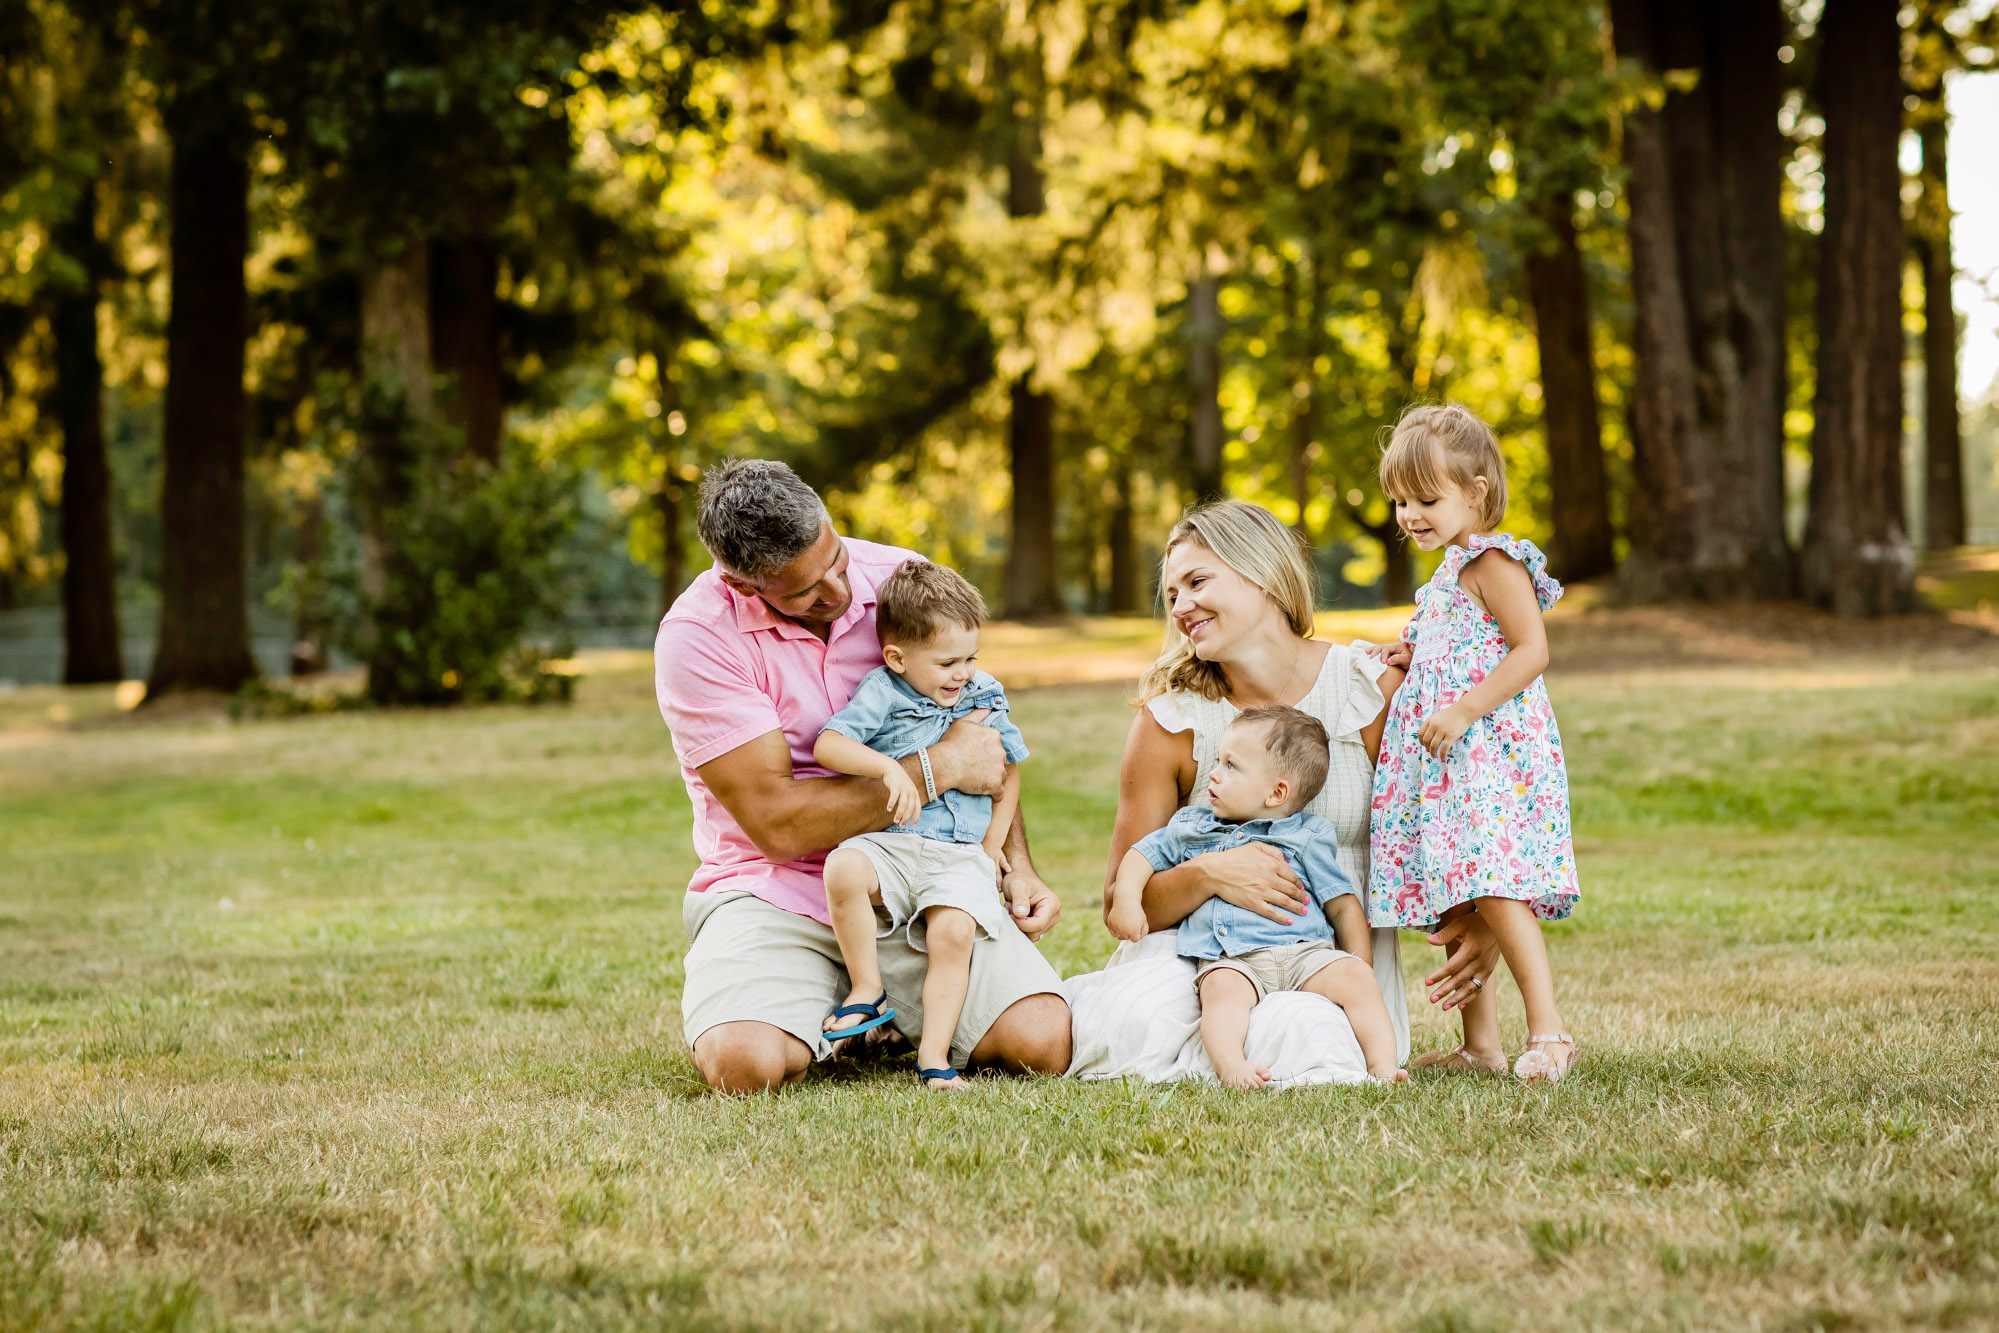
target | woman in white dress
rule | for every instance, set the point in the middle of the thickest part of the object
(1238, 595)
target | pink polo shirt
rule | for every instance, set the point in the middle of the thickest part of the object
(728, 669)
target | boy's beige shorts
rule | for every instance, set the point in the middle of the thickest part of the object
(1280, 967)
(749, 960)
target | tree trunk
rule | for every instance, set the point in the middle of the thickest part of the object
(204, 635)
(1124, 592)
(1301, 466)
(1745, 553)
(91, 648)
(465, 339)
(1707, 276)
(395, 329)
(395, 363)
(1943, 442)
(308, 655)
(1032, 588)
(1558, 290)
(666, 501)
(1857, 559)
(1204, 365)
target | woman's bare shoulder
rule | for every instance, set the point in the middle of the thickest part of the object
(1150, 748)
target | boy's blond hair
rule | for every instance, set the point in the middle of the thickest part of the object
(913, 603)
(1297, 744)
(1438, 442)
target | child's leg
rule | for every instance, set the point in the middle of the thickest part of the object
(1350, 984)
(850, 886)
(1227, 996)
(1480, 1014)
(948, 935)
(1526, 954)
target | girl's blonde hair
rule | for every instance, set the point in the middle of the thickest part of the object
(1438, 442)
(1250, 540)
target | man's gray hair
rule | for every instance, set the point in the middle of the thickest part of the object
(757, 516)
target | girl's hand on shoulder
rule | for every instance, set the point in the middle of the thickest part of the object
(1443, 728)
(1393, 654)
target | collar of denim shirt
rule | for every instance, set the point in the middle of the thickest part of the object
(974, 689)
(1209, 821)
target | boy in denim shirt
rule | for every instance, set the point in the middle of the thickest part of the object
(936, 872)
(1272, 763)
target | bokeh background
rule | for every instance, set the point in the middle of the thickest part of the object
(397, 335)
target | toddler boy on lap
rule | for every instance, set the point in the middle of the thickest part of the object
(1273, 761)
(935, 874)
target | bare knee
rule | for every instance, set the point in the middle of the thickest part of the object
(750, 1057)
(850, 874)
(849, 871)
(1225, 987)
(949, 931)
(1343, 978)
(1031, 1037)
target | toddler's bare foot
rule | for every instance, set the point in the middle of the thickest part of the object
(1390, 1074)
(1242, 1074)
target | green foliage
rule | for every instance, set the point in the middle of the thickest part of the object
(457, 562)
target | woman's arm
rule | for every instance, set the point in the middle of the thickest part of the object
(1349, 922)
(1503, 586)
(1388, 683)
(1153, 780)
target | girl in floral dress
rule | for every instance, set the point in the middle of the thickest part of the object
(1471, 801)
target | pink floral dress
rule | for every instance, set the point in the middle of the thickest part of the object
(1491, 818)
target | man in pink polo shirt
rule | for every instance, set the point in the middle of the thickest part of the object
(749, 663)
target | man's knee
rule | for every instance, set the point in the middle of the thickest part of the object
(750, 1057)
(1031, 1037)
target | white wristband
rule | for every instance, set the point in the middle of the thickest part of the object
(929, 778)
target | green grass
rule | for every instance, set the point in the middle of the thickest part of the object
(369, 1021)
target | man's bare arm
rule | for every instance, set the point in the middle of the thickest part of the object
(789, 817)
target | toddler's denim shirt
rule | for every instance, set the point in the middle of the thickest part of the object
(891, 718)
(1218, 929)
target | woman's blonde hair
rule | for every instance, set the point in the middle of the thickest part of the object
(1438, 442)
(1250, 540)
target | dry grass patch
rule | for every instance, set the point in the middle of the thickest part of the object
(369, 1021)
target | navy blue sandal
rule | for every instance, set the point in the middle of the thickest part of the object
(876, 1013)
(944, 1075)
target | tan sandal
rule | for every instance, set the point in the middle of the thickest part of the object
(1536, 1066)
(1460, 1061)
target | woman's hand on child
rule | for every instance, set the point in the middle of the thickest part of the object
(1127, 920)
(1256, 878)
(904, 801)
(1442, 728)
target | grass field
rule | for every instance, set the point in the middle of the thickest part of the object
(369, 1021)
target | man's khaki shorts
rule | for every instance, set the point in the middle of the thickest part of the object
(1280, 967)
(748, 960)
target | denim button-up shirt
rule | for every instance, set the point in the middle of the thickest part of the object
(1218, 929)
(891, 718)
